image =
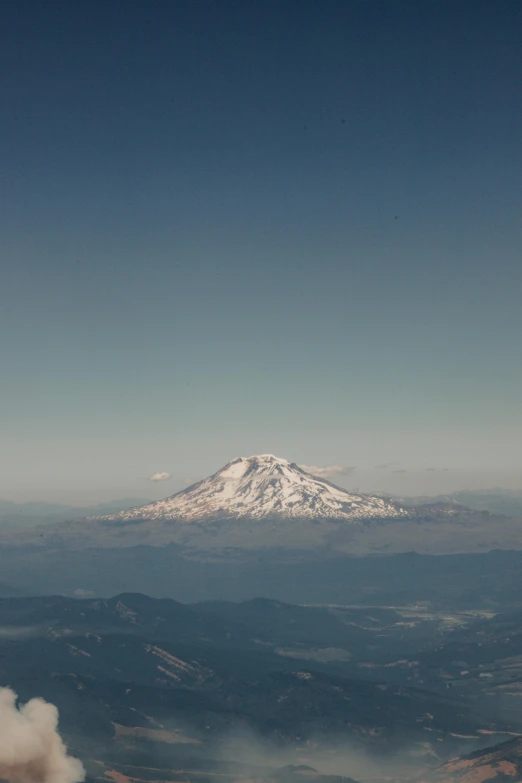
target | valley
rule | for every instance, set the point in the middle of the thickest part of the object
(152, 689)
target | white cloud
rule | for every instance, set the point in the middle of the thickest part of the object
(163, 476)
(328, 471)
(30, 746)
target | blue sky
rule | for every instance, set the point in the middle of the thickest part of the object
(231, 228)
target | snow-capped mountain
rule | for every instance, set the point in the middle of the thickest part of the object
(261, 487)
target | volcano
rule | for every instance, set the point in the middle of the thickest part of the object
(263, 487)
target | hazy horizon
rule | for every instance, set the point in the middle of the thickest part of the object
(379, 479)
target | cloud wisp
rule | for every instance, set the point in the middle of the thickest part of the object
(161, 476)
(21, 631)
(329, 471)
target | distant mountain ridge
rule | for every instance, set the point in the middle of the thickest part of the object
(19, 515)
(496, 500)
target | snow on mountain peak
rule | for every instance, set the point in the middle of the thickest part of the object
(259, 487)
(241, 465)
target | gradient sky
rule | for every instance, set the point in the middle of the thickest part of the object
(268, 226)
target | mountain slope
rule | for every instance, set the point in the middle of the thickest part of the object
(261, 487)
(497, 764)
(133, 663)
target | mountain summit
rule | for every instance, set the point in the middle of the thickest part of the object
(261, 487)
